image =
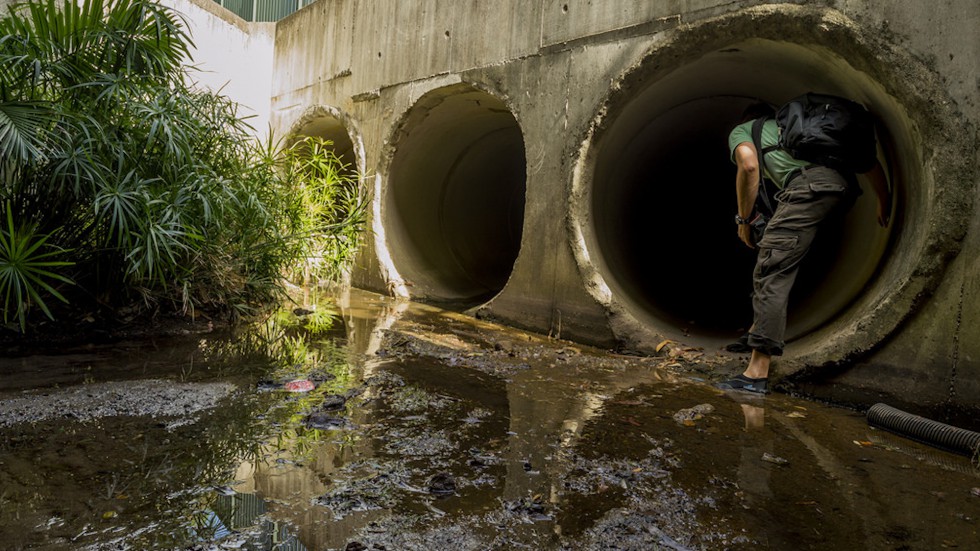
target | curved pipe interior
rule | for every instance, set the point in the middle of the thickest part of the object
(663, 194)
(455, 201)
(332, 129)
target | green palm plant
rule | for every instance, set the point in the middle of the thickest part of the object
(26, 261)
(57, 57)
(50, 47)
(157, 190)
(22, 125)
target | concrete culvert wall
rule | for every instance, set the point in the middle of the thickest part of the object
(454, 206)
(654, 199)
(626, 198)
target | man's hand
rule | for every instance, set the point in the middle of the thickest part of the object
(884, 208)
(880, 186)
(745, 234)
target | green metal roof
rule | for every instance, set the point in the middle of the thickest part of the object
(263, 10)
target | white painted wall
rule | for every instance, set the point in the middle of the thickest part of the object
(232, 56)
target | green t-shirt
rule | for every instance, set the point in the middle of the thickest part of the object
(778, 163)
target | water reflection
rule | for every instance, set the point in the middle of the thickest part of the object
(541, 444)
(506, 437)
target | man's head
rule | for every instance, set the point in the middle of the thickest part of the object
(756, 110)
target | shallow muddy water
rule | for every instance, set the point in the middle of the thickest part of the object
(425, 429)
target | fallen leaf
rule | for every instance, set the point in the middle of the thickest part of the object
(863, 443)
(770, 458)
(662, 345)
(631, 421)
(796, 415)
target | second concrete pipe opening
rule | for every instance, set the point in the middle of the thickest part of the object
(454, 208)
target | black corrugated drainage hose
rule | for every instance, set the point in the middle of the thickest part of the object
(926, 431)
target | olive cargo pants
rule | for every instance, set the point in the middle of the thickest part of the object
(803, 204)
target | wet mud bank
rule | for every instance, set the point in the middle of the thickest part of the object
(402, 426)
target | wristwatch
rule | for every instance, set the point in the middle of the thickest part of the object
(741, 221)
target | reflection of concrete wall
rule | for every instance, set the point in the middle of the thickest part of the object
(232, 56)
(583, 79)
(547, 415)
(290, 490)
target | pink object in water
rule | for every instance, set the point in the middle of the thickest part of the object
(299, 385)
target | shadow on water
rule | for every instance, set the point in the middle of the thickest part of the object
(426, 429)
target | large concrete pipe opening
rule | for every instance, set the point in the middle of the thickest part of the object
(661, 195)
(454, 207)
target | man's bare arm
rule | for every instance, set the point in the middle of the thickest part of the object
(746, 187)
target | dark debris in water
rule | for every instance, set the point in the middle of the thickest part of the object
(532, 509)
(442, 484)
(325, 421)
(382, 489)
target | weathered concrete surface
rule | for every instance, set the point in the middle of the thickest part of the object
(600, 93)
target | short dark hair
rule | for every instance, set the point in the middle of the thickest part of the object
(757, 109)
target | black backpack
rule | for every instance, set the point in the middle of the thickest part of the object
(823, 129)
(828, 130)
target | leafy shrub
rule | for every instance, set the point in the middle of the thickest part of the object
(145, 188)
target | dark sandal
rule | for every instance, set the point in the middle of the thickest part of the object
(747, 384)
